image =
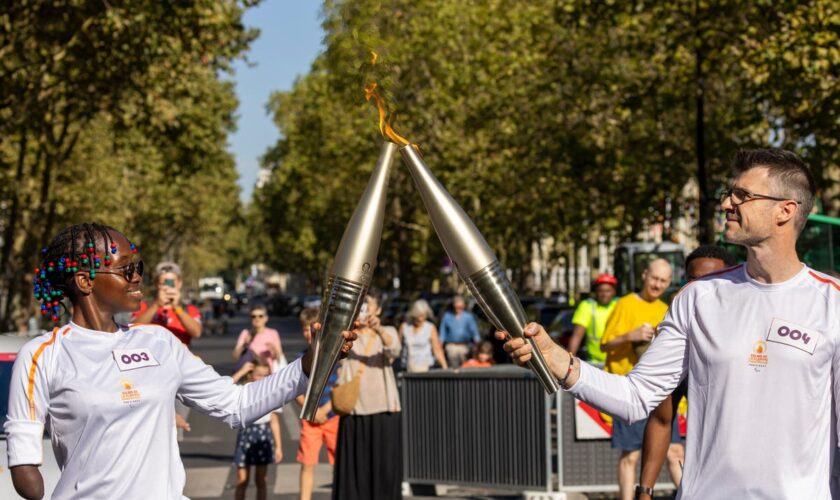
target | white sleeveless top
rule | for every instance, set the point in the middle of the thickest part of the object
(418, 342)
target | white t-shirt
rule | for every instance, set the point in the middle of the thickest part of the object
(761, 361)
(108, 402)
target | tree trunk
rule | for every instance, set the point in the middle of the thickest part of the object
(706, 209)
(8, 272)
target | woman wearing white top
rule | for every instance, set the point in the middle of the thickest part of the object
(420, 337)
(104, 391)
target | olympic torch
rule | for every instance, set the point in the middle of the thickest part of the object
(349, 278)
(475, 261)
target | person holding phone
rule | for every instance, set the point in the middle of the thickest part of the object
(167, 310)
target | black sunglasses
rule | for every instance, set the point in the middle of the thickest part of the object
(127, 271)
(255, 316)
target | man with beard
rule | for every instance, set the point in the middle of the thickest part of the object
(759, 343)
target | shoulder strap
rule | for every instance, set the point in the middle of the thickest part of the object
(368, 347)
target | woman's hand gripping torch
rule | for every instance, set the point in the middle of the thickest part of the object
(348, 279)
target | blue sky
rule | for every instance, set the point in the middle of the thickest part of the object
(290, 39)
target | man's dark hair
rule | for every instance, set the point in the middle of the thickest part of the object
(790, 175)
(710, 252)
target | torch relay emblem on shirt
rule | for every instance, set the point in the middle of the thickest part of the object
(129, 393)
(758, 357)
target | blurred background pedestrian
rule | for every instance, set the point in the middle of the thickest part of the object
(458, 333)
(422, 345)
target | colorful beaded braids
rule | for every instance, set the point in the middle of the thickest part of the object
(71, 251)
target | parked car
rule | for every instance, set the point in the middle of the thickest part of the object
(544, 312)
(394, 310)
(283, 304)
(9, 347)
(560, 328)
(311, 301)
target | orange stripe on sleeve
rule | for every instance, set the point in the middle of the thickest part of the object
(30, 392)
(824, 280)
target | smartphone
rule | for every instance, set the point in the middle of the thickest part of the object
(363, 312)
(169, 282)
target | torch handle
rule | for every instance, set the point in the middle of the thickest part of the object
(495, 295)
(339, 308)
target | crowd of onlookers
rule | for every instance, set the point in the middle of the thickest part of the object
(358, 417)
(362, 435)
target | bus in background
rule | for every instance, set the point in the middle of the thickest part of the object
(631, 259)
(819, 244)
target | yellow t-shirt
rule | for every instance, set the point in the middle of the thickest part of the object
(629, 314)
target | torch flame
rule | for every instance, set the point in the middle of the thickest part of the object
(384, 127)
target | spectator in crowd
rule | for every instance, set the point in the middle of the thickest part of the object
(590, 319)
(704, 260)
(421, 339)
(458, 333)
(259, 340)
(368, 463)
(168, 311)
(325, 428)
(483, 356)
(631, 326)
(258, 444)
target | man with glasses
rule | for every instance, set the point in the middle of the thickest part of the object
(758, 342)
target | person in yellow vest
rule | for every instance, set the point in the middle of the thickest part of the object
(629, 330)
(590, 319)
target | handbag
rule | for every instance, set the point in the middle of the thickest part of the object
(345, 396)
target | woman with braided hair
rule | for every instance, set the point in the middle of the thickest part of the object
(105, 390)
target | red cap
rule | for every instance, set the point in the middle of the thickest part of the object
(606, 279)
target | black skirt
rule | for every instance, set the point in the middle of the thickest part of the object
(369, 461)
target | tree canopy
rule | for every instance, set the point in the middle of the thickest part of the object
(117, 112)
(548, 118)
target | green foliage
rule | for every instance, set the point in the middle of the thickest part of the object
(116, 112)
(542, 118)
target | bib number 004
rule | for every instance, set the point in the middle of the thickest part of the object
(784, 331)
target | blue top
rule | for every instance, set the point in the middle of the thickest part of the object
(327, 395)
(461, 329)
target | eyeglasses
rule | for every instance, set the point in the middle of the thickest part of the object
(738, 196)
(127, 271)
(257, 316)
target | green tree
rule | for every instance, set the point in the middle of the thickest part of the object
(108, 111)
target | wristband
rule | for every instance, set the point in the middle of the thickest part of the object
(643, 490)
(179, 310)
(569, 371)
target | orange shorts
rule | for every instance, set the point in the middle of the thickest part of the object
(311, 438)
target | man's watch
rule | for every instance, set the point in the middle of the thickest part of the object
(643, 490)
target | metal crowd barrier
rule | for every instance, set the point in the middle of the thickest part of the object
(495, 428)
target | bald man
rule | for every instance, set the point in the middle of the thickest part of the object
(629, 331)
